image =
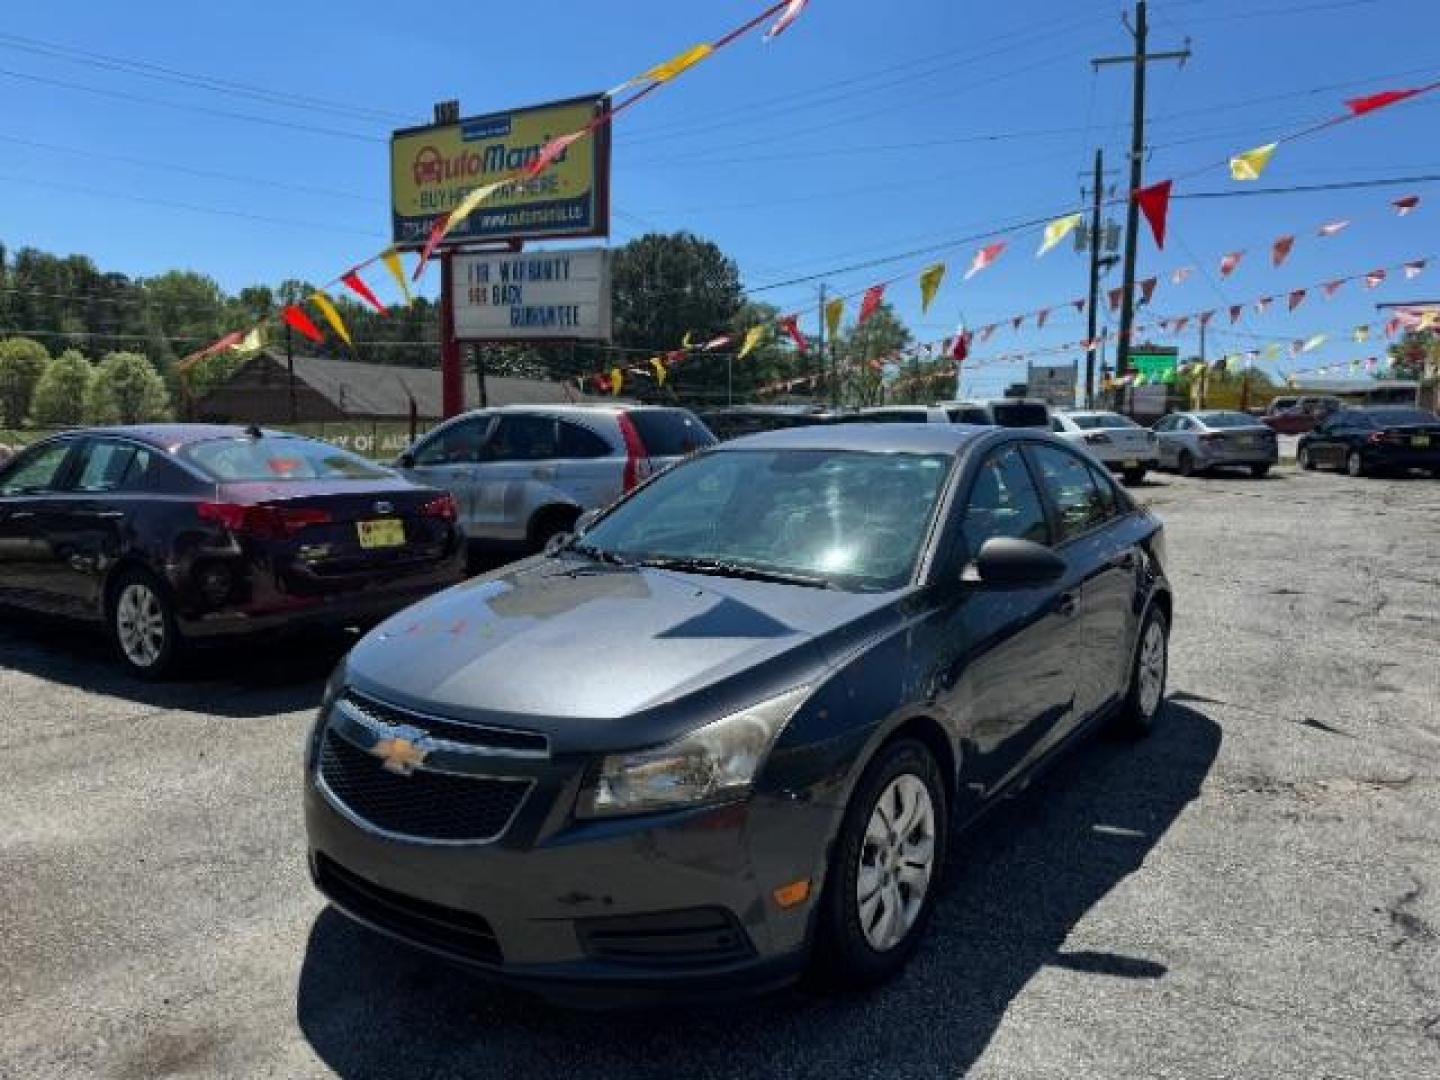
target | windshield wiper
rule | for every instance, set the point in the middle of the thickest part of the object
(600, 555)
(721, 568)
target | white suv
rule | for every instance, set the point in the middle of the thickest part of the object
(1120, 443)
(522, 473)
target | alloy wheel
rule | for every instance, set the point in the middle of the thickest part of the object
(1152, 669)
(896, 861)
(140, 624)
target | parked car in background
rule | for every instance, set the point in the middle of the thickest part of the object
(901, 414)
(1123, 445)
(521, 474)
(176, 533)
(1195, 442)
(728, 730)
(752, 419)
(1296, 415)
(1382, 439)
(1006, 412)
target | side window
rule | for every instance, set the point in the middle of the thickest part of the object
(523, 438)
(107, 465)
(1070, 485)
(1166, 423)
(579, 442)
(1109, 500)
(1056, 425)
(457, 444)
(35, 470)
(1186, 424)
(1003, 502)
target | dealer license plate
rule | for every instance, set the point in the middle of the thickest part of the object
(384, 533)
(1420, 440)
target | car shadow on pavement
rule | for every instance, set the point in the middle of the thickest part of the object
(1017, 886)
(244, 677)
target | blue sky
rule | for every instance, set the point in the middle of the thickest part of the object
(867, 130)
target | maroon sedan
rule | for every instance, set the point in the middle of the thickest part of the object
(174, 533)
(1297, 415)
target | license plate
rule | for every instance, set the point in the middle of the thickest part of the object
(1420, 440)
(1130, 464)
(386, 532)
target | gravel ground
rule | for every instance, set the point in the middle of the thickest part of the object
(1252, 892)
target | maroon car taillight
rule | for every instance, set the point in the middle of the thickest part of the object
(442, 507)
(265, 522)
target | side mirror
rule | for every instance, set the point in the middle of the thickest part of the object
(405, 460)
(584, 521)
(1006, 560)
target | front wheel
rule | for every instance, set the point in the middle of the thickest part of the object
(886, 868)
(1147, 676)
(1259, 472)
(1354, 463)
(1304, 459)
(142, 624)
(1187, 463)
(1134, 477)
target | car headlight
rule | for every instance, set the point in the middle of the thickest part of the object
(715, 762)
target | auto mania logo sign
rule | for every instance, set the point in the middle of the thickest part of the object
(433, 168)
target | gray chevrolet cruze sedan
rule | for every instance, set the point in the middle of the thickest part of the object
(727, 731)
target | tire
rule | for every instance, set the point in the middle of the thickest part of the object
(1187, 463)
(550, 522)
(1134, 477)
(1145, 695)
(1354, 463)
(856, 944)
(141, 620)
(1259, 472)
(1304, 460)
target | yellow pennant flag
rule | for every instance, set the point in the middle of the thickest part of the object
(251, 342)
(685, 342)
(753, 337)
(1362, 333)
(617, 380)
(677, 64)
(1250, 164)
(660, 371)
(834, 312)
(930, 279)
(467, 205)
(391, 259)
(322, 301)
(1056, 231)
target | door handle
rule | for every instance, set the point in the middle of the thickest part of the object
(1065, 604)
(19, 514)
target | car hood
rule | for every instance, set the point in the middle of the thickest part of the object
(551, 641)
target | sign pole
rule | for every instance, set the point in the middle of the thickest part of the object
(452, 376)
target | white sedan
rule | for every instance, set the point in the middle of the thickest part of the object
(1118, 441)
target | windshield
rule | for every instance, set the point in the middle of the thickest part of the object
(1102, 420)
(851, 519)
(1226, 419)
(278, 457)
(1401, 417)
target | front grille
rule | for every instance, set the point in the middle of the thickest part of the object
(425, 805)
(694, 937)
(460, 933)
(450, 730)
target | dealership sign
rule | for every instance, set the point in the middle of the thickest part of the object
(1053, 384)
(433, 168)
(558, 295)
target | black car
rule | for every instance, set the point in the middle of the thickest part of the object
(180, 532)
(728, 730)
(1363, 441)
(752, 419)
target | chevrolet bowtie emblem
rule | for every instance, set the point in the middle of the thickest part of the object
(400, 755)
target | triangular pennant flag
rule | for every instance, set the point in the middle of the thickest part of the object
(660, 370)
(1230, 262)
(296, 318)
(356, 284)
(869, 302)
(1250, 164)
(1155, 205)
(1181, 323)
(1180, 274)
(1331, 228)
(391, 259)
(1017, 322)
(753, 337)
(438, 228)
(789, 15)
(553, 150)
(1206, 316)
(984, 258)
(1147, 289)
(1297, 297)
(1313, 343)
(930, 279)
(321, 300)
(1280, 250)
(677, 64)
(1079, 305)
(1405, 204)
(1391, 327)
(687, 341)
(791, 325)
(1361, 334)
(834, 312)
(473, 198)
(1263, 304)
(1056, 231)
(1414, 269)
(1115, 295)
(1332, 287)
(1040, 317)
(229, 341)
(716, 343)
(1235, 310)
(252, 342)
(1271, 351)
(1362, 105)
(986, 331)
(617, 381)
(1374, 278)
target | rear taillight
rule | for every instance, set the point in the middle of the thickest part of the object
(1097, 438)
(265, 522)
(637, 465)
(1378, 437)
(442, 507)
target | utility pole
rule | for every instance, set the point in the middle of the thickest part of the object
(1095, 245)
(1140, 58)
(1204, 365)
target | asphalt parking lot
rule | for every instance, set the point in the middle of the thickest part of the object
(1252, 892)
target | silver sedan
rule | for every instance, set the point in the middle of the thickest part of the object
(1194, 442)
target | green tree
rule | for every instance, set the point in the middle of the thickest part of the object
(1410, 353)
(861, 350)
(22, 362)
(59, 399)
(665, 286)
(126, 389)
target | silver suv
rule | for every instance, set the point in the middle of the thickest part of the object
(522, 473)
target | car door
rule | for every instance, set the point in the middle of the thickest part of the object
(1008, 678)
(1105, 563)
(588, 472)
(1164, 433)
(449, 459)
(517, 464)
(1320, 443)
(29, 560)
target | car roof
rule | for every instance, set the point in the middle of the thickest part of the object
(168, 435)
(868, 438)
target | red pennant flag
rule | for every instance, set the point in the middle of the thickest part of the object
(1155, 205)
(1235, 310)
(962, 346)
(1147, 289)
(1392, 327)
(1331, 228)
(1181, 323)
(356, 284)
(1374, 278)
(295, 317)
(1180, 274)
(1230, 262)
(1116, 295)
(985, 257)
(870, 302)
(437, 233)
(1362, 105)
(791, 325)
(1297, 298)
(1040, 317)
(1332, 287)
(1405, 204)
(552, 150)
(1281, 250)
(1206, 316)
